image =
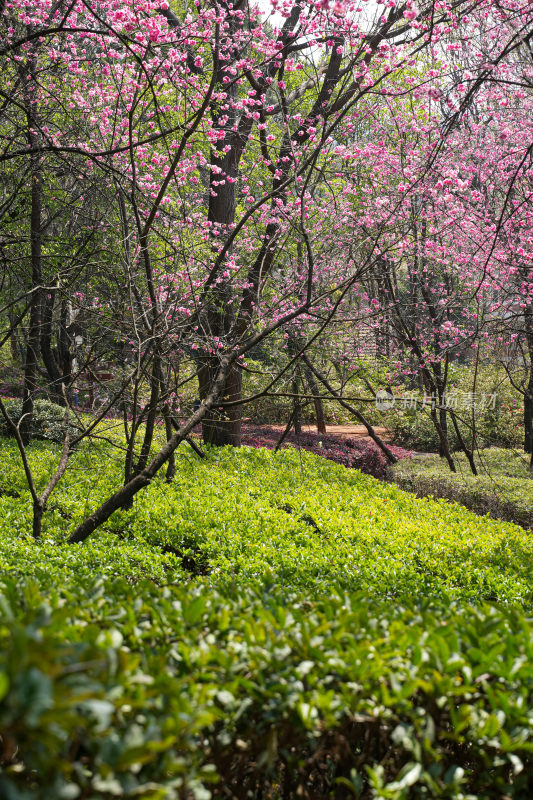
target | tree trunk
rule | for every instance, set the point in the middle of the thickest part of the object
(222, 426)
(296, 410)
(528, 394)
(47, 354)
(443, 439)
(38, 511)
(443, 420)
(295, 383)
(171, 465)
(32, 349)
(469, 453)
(317, 401)
(528, 417)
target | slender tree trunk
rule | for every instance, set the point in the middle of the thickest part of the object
(64, 353)
(443, 439)
(319, 414)
(32, 349)
(528, 394)
(285, 432)
(47, 354)
(296, 406)
(39, 500)
(296, 410)
(317, 401)
(467, 451)
(443, 420)
(151, 415)
(528, 417)
(171, 466)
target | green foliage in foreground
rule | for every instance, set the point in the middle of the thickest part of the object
(233, 635)
(291, 520)
(119, 691)
(503, 488)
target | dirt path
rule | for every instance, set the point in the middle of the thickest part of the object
(357, 431)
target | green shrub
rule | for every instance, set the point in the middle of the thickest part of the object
(120, 691)
(503, 488)
(268, 625)
(291, 519)
(47, 421)
(414, 429)
(498, 421)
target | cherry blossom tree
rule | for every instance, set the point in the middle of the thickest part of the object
(223, 148)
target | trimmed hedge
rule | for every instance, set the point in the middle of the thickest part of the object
(503, 488)
(247, 666)
(119, 691)
(291, 519)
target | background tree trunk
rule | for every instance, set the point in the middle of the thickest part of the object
(222, 426)
(528, 393)
(32, 348)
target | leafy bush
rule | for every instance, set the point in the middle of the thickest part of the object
(209, 642)
(115, 691)
(47, 420)
(290, 519)
(350, 451)
(415, 429)
(503, 488)
(495, 426)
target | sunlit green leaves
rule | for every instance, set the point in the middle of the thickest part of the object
(128, 691)
(341, 652)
